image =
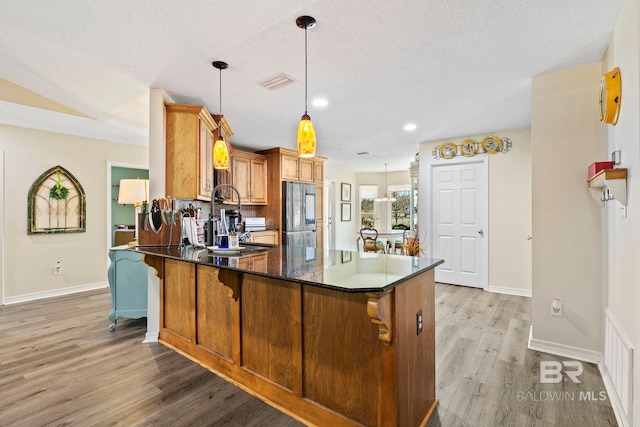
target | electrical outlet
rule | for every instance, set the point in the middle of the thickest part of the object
(57, 269)
(418, 322)
(556, 307)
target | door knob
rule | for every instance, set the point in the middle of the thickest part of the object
(481, 232)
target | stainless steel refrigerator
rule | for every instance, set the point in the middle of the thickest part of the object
(299, 214)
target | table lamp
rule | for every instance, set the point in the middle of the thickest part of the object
(133, 192)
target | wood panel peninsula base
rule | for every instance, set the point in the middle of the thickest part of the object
(289, 333)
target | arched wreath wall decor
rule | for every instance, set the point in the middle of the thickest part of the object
(56, 203)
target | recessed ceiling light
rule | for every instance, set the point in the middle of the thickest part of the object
(320, 102)
(409, 127)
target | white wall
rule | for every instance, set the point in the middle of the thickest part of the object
(29, 259)
(345, 230)
(509, 209)
(565, 140)
(622, 235)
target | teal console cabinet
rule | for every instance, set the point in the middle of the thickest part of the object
(128, 283)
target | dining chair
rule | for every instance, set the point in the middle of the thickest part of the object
(370, 241)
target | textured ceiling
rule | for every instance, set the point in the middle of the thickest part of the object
(453, 68)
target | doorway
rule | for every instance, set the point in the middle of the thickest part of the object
(459, 220)
(120, 214)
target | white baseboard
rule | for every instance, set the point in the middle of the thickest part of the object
(55, 293)
(510, 291)
(614, 399)
(150, 337)
(567, 351)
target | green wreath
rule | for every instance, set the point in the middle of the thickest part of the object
(59, 191)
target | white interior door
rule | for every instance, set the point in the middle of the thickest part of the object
(459, 212)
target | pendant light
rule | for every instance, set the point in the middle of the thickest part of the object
(306, 134)
(220, 150)
(386, 198)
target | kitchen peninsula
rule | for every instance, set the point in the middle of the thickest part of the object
(330, 337)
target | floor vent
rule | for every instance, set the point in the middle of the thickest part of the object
(618, 360)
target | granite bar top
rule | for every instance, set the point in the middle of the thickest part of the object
(345, 271)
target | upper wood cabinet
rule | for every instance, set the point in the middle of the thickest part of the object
(295, 168)
(318, 172)
(249, 176)
(189, 146)
(287, 165)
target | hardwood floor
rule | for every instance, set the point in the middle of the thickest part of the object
(60, 365)
(486, 376)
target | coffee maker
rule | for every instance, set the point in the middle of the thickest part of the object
(232, 219)
(231, 216)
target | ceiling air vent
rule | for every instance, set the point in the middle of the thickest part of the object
(276, 82)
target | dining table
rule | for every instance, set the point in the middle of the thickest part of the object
(388, 236)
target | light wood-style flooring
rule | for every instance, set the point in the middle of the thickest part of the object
(60, 365)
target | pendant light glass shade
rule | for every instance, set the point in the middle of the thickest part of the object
(306, 137)
(306, 134)
(220, 154)
(220, 150)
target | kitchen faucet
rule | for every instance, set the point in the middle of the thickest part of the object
(213, 199)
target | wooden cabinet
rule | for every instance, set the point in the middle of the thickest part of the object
(289, 167)
(305, 170)
(290, 343)
(286, 165)
(127, 276)
(206, 159)
(319, 234)
(318, 172)
(189, 146)
(249, 176)
(319, 215)
(257, 262)
(295, 168)
(269, 237)
(178, 300)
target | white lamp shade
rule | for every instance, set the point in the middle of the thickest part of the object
(133, 191)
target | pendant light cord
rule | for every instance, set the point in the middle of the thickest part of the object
(220, 87)
(305, 69)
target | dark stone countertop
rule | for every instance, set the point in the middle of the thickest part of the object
(346, 271)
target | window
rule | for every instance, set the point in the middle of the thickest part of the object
(368, 209)
(400, 215)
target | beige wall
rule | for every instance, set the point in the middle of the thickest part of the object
(565, 140)
(622, 235)
(29, 259)
(509, 209)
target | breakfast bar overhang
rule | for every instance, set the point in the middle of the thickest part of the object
(330, 337)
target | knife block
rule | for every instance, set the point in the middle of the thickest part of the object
(169, 234)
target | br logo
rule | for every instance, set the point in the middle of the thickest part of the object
(551, 371)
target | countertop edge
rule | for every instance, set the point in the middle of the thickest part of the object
(386, 288)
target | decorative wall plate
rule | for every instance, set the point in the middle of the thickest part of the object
(491, 144)
(469, 147)
(610, 96)
(448, 150)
